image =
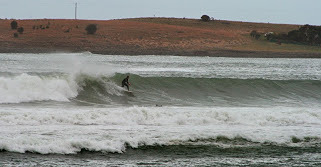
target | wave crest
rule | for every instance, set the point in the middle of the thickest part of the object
(28, 88)
(74, 146)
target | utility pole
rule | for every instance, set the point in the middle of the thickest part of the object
(76, 11)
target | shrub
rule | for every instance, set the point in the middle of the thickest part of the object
(205, 18)
(67, 30)
(91, 29)
(14, 25)
(20, 30)
(255, 34)
(282, 36)
(15, 35)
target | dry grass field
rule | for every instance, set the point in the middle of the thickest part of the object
(147, 36)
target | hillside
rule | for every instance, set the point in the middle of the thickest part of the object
(149, 36)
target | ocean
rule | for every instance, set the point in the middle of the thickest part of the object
(69, 109)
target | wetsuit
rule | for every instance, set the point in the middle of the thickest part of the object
(125, 83)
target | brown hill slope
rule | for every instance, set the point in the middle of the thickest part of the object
(164, 36)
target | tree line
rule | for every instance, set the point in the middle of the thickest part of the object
(306, 34)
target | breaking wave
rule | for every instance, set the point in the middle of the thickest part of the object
(74, 146)
(100, 89)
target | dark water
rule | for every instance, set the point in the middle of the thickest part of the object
(176, 155)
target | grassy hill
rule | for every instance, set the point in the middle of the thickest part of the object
(148, 36)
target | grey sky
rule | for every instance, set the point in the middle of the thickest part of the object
(273, 11)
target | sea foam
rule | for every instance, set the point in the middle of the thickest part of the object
(70, 130)
(26, 88)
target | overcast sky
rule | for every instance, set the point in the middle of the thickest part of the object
(273, 11)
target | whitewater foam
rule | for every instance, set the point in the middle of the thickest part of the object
(26, 88)
(67, 130)
(59, 87)
(163, 116)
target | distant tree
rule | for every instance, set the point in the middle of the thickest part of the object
(20, 30)
(257, 36)
(310, 34)
(282, 36)
(253, 33)
(205, 18)
(306, 34)
(14, 25)
(15, 35)
(91, 28)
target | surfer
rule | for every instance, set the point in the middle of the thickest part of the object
(125, 82)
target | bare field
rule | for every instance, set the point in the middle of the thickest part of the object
(147, 36)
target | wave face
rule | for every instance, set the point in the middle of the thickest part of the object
(72, 103)
(159, 90)
(224, 91)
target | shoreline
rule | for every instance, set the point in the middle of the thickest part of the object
(217, 53)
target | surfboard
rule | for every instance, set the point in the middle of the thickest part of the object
(129, 93)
